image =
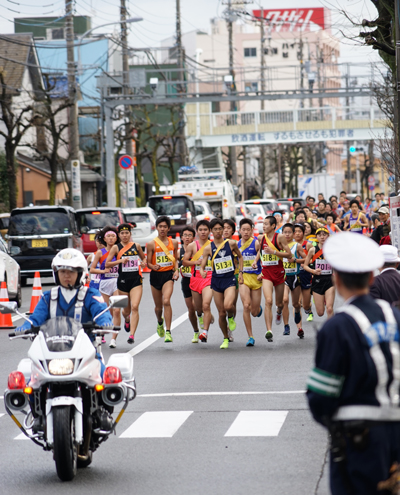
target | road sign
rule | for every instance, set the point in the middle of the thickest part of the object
(125, 162)
(371, 180)
(371, 188)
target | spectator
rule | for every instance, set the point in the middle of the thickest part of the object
(384, 218)
(386, 285)
(311, 202)
(320, 197)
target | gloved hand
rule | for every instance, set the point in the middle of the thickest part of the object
(20, 329)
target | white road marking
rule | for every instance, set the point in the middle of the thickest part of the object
(193, 394)
(141, 347)
(2, 414)
(257, 424)
(21, 436)
(157, 424)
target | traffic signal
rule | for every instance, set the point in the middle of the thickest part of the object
(353, 149)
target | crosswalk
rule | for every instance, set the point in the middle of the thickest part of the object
(165, 424)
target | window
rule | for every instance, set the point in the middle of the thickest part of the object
(250, 52)
(251, 87)
(285, 54)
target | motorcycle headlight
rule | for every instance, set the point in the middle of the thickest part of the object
(61, 366)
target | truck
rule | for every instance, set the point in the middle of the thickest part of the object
(210, 185)
(313, 184)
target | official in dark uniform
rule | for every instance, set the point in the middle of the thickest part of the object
(354, 388)
(387, 284)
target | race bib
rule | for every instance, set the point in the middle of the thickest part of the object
(325, 267)
(224, 265)
(132, 265)
(290, 266)
(163, 260)
(113, 273)
(208, 267)
(248, 262)
(186, 271)
(269, 259)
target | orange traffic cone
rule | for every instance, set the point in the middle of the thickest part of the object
(235, 236)
(36, 292)
(5, 320)
(255, 232)
(87, 283)
(211, 236)
(178, 238)
(146, 269)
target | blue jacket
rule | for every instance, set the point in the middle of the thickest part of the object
(93, 305)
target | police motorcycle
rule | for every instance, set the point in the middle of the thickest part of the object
(65, 402)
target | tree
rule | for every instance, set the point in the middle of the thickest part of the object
(16, 119)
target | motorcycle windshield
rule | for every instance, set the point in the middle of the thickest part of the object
(60, 333)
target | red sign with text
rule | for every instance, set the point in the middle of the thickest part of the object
(292, 20)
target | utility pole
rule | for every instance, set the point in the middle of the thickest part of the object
(232, 149)
(348, 144)
(130, 173)
(262, 147)
(181, 87)
(75, 192)
(397, 99)
(301, 45)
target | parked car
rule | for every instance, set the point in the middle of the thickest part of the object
(180, 210)
(37, 233)
(4, 222)
(203, 211)
(269, 205)
(242, 211)
(10, 273)
(145, 220)
(90, 220)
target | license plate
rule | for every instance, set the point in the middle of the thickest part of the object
(172, 222)
(92, 237)
(36, 243)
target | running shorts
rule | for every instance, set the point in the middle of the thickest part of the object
(320, 284)
(108, 286)
(250, 279)
(237, 280)
(127, 284)
(305, 279)
(158, 279)
(220, 284)
(185, 287)
(276, 274)
(292, 281)
(198, 283)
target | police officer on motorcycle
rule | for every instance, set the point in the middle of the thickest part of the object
(354, 388)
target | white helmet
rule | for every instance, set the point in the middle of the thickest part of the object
(70, 259)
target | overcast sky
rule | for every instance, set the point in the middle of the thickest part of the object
(159, 17)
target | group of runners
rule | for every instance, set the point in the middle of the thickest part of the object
(287, 260)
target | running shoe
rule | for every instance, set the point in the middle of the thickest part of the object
(131, 339)
(103, 340)
(260, 313)
(195, 338)
(250, 342)
(160, 328)
(127, 326)
(310, 317)
(113, 344)
(168, 337)
(286, 331)
(203, 337)
(225, 344)
(201, 322)
(300, 333)
(278, 318)
(230, 336)
(231, 323)
(297, 317)
(269, 336)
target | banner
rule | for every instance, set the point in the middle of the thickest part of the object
(292, 20)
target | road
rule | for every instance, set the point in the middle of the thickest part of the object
(206, 421)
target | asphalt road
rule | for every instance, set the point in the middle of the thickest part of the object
(206, 421)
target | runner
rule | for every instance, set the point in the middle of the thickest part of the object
(322, 286)
(229, 230)
(95, 277)
(162, 255)
(279, 221)
(273, 248)
(305, 277)
(356, 221)
(309, 232)
(223, 280)
(330, 223)
(188, 235)
(201, 288)
(108, 276)
(129, 258)
(292, 281)
(250, 290)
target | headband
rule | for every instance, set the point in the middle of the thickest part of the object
(322, 229)
(110, 232)
(124, 228)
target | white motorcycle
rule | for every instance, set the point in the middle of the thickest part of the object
(66, 404)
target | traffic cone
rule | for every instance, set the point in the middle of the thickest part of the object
(211, 236)
(178, 238)
(146, 269)
(87, 283)
(5, 320)
(235, 236)
(255, 232)
(36, 292)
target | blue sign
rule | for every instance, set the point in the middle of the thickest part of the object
(352, 149)
(125, 162)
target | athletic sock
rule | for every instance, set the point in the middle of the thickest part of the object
(168, 331)
(205, 331)
(160, 322)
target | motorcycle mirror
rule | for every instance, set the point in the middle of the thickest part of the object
(119, 301)
(7, 308)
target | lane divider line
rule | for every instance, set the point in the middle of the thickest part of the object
(194, 394)
(141, 347)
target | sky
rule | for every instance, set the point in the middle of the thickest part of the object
(159, 17)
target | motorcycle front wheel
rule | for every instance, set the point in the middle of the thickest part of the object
(65, 448)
